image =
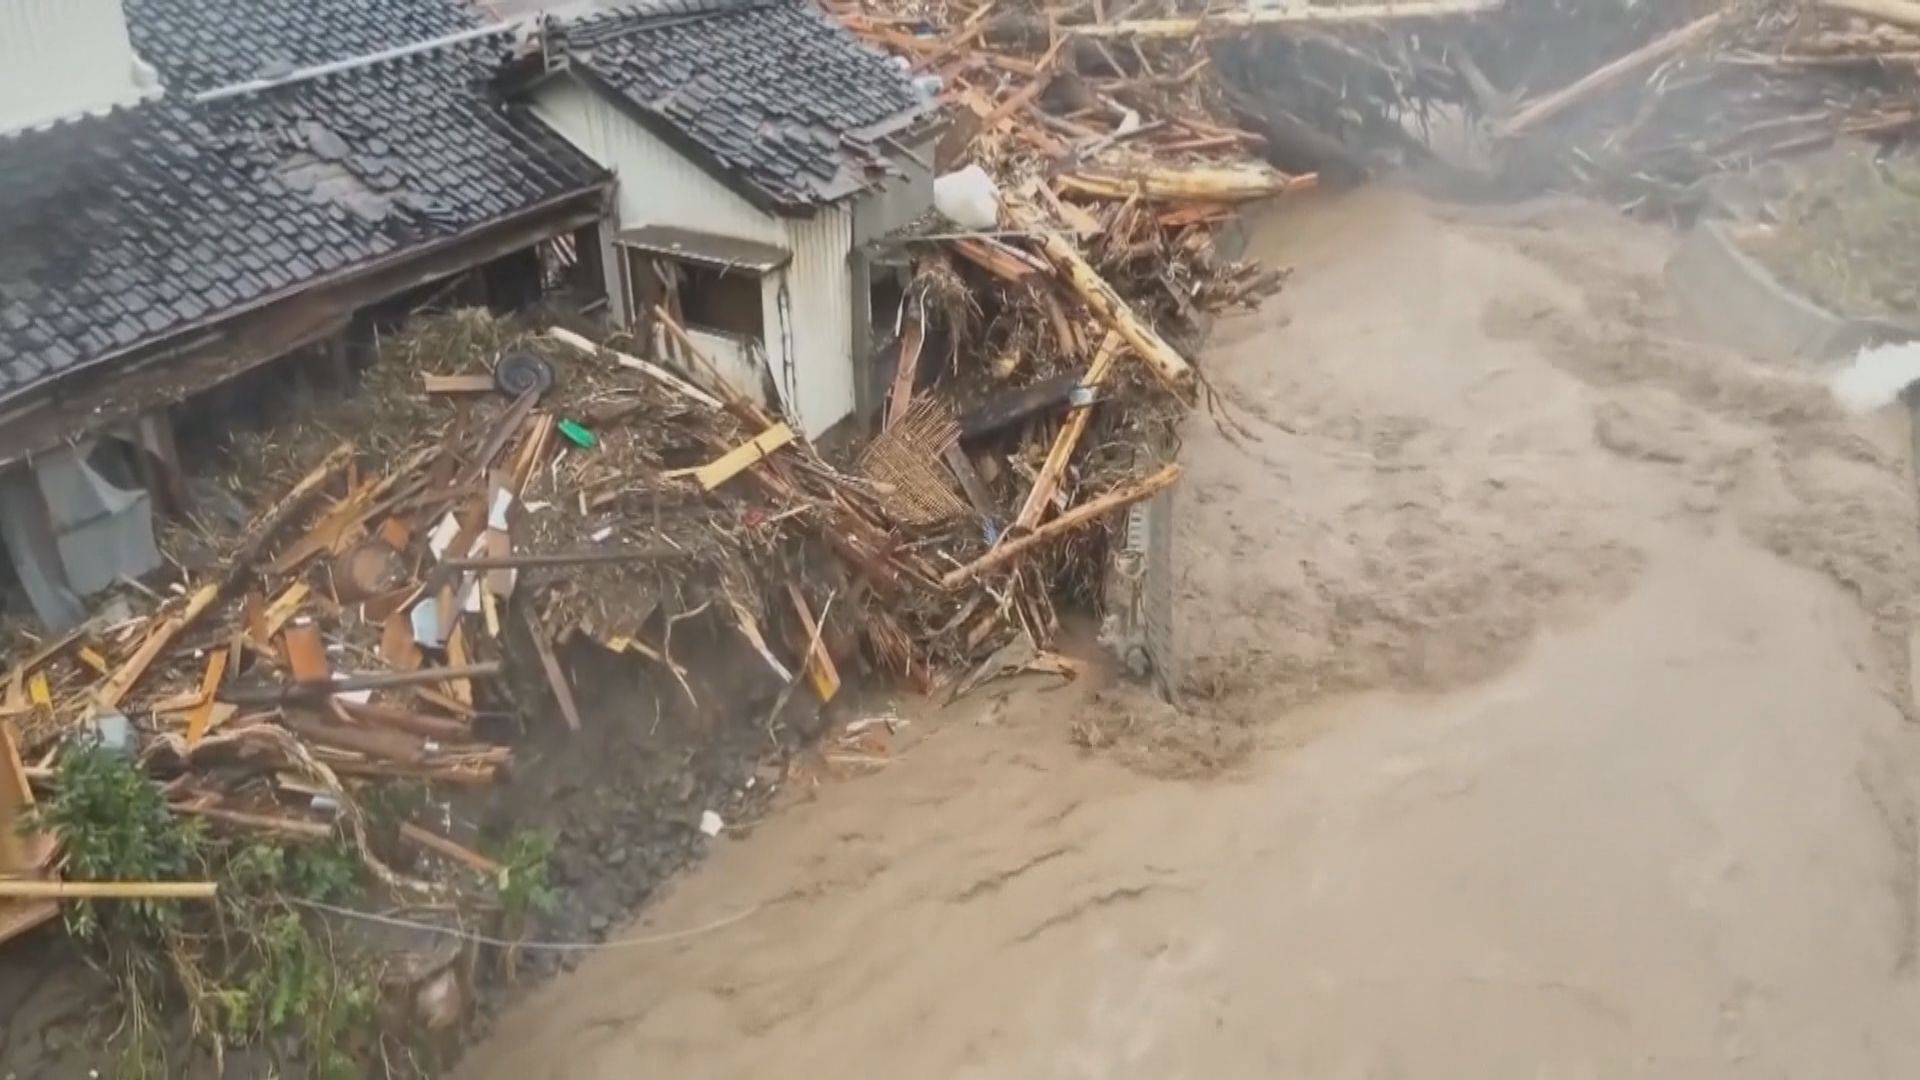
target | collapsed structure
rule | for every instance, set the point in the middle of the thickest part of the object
(727, 206)
(852, 356)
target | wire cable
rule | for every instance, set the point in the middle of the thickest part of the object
(549, 946)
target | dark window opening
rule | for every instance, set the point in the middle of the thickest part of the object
(723, 300)
(887, 287)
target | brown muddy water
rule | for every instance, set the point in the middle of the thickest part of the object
(1558, 673)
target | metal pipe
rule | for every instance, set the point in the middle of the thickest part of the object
(337, 66)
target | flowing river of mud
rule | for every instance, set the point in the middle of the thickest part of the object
(1548, 715)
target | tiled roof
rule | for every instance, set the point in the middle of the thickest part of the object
(118, 230)
(766, 92)
(204, 44)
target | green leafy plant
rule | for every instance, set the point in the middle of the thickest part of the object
(525, 880)
(113, 825)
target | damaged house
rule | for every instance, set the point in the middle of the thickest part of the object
(191, 189)
(760, 152)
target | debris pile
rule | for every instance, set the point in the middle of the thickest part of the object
(498, 492)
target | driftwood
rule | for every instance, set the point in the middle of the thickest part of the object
(1107, 305)
(1075, 518)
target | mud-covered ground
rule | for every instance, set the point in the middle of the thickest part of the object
(623, 799)
(1547, 712)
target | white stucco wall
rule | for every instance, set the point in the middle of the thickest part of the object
(657, 186)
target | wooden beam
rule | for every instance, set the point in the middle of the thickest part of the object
(1118, 499)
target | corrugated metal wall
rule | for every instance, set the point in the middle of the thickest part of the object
(812, 357)
(61, 58)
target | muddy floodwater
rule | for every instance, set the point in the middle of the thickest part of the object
(1557, 683)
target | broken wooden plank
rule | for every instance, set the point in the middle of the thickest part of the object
(550, 666)
(457, 384)
(15, 798)
(1292, 15)
(1064, 444)
(900, 397)
(1646, 56)
(1117, 499)
(820, 668)
(740, 458)
(460, 690)
(306, 652)
(202, 716)
(157, 641)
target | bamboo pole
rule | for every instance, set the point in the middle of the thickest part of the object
(1065, 523)
(1304, 15)
(108, 890)
(1646, 56)
(1106, 304)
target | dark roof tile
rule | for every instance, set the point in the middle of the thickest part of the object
(204, 44)
(771, 89)
(120, 229)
